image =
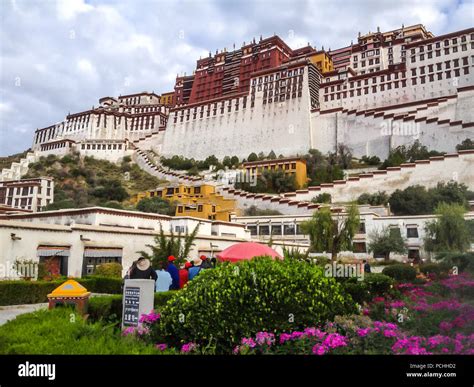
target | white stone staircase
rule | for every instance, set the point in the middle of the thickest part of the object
(18, 169)
(457, 166)
(152, 165)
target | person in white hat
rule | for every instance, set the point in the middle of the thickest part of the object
(143, 270)
(194, 271)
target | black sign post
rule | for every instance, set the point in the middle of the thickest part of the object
(131, 306)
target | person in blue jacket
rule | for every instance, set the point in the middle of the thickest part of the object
(164, 280)
(174, 273)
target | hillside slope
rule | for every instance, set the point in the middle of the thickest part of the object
(83, 182)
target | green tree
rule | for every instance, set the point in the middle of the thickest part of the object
(328, 233)
(278, 181)
(386, 241)
(403, 154)
(322, 169)
(449, 232)
(227, 162)
(110, 190)
(178, 245)
(271, 155)
(379, 198)
(344, 156)
(416, 200)
(252, 157)
(234, 161)
(322, 198)
(370, 160)
(466, 144)
(157, 206)
(413, 200)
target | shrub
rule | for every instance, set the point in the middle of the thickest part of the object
(400, 272)
(377, 199)
(112, 269)
(372, 160)
(34, 292)
(106, 308)
(109, 308)
(463, 261)
(25, 292)
(373, 285)
(322, 198)
(236, 300)
(156, 205)
(433, 268)
(100, 284)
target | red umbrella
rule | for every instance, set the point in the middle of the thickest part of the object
(246, 251)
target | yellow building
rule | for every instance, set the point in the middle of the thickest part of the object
(167, 98)
(293, 166)
(322, 61)
(200, 201)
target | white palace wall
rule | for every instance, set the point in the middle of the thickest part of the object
(281, 126)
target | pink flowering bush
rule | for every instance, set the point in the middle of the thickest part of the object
(438, 344)
(379, 338)
(428, 318)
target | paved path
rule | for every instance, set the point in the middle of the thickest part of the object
(10, 312)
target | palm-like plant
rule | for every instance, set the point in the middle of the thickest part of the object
(178, 245)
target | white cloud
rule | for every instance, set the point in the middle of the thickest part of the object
(69, 9)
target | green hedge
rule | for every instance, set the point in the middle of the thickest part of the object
(101, 284)
(33, 292)
(109, 308)
(401, 272)
(25, 292)
(434, 268)
(373, 285)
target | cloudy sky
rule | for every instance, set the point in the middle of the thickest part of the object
(62, 56)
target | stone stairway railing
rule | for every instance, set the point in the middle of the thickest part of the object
(457, 166)
(154, 168)
(18, 169)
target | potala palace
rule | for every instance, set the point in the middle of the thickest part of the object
(384, 90)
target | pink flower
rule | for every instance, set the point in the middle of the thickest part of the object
(149, 318)
(284, 337)
(297, 335)
(445, 326)
(362, 332)
(128, 331)
(186, 348)
(264, 338)
(390, 333)
(335, 340)
(249, 342)
(319, 349)
(161, 347)
(397, 304)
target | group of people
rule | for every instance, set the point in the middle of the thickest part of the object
(168, 276)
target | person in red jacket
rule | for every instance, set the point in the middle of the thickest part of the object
(183, 275)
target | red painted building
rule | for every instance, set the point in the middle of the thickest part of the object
(228, 73)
